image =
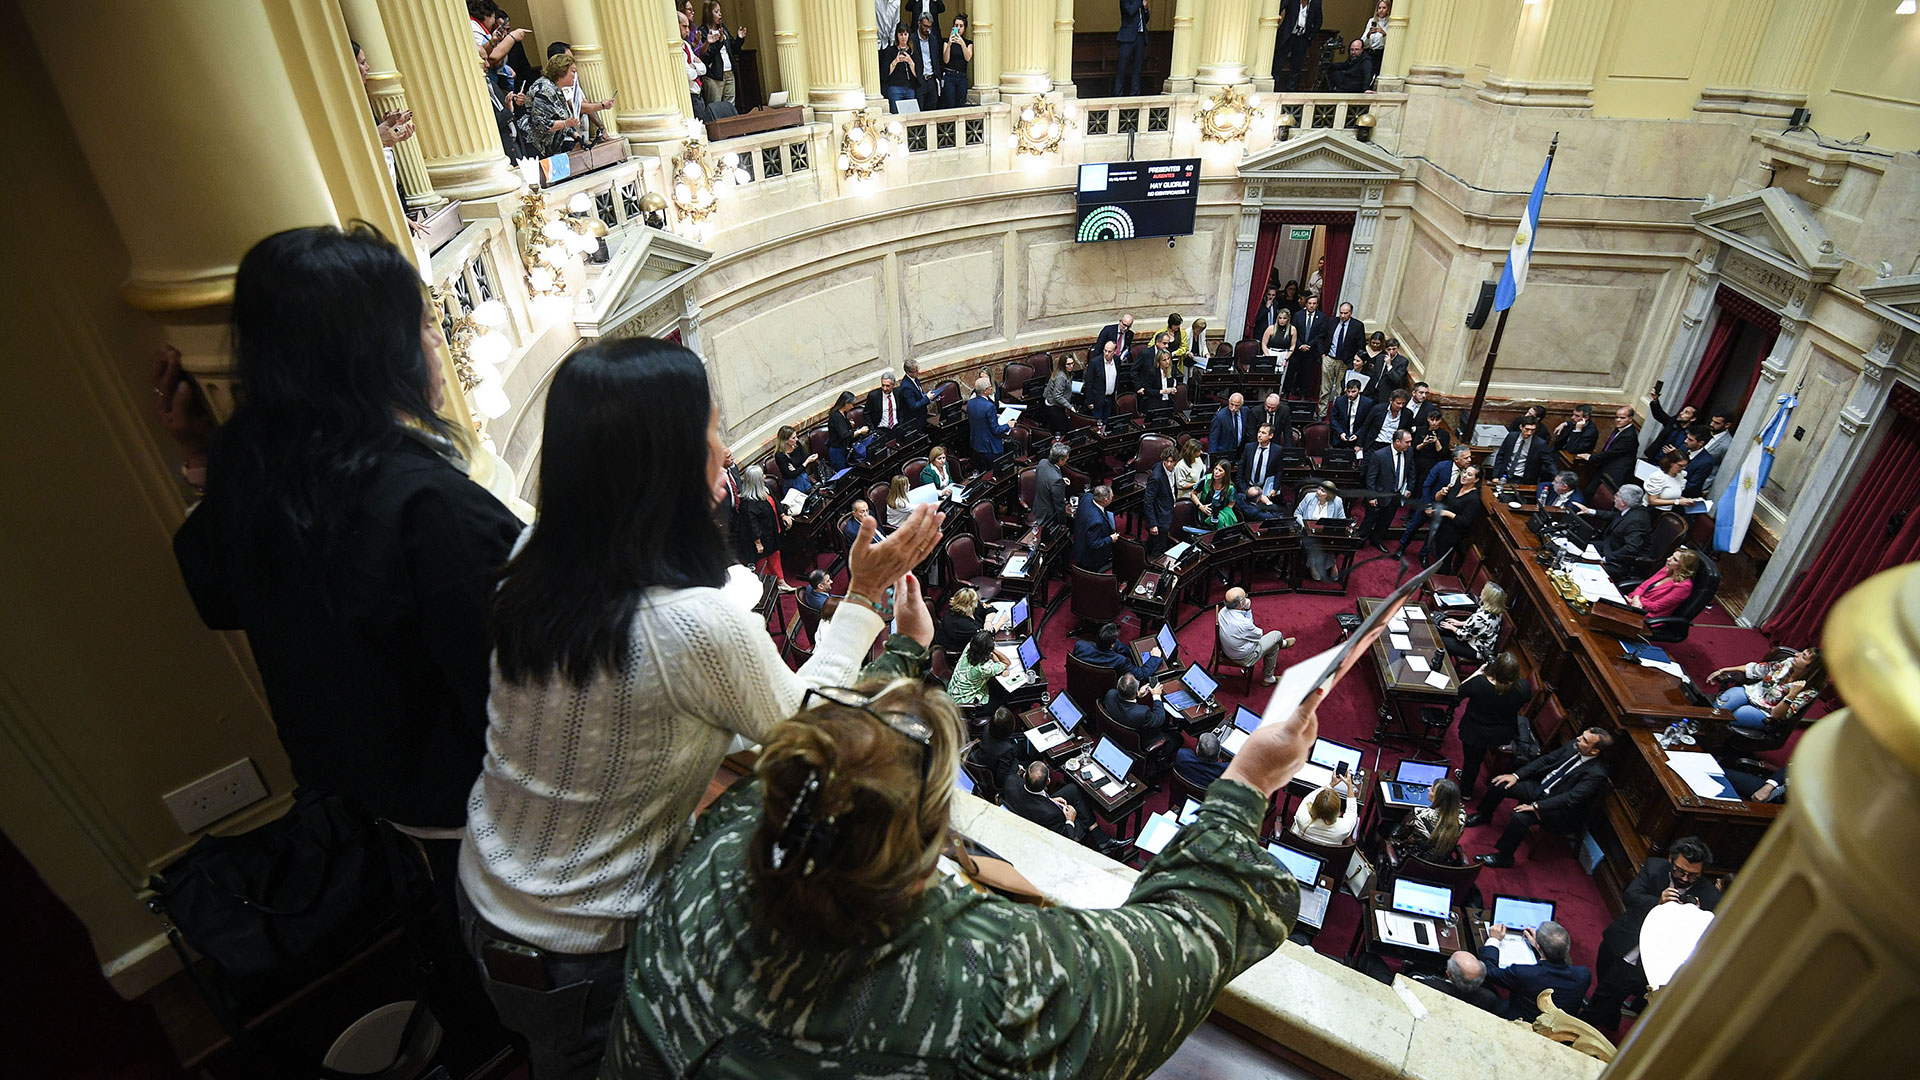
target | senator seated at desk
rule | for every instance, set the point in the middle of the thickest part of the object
(1106, 651)
(1068, 810)
(1523, 982)
(1000, 750)
(1466, 979)
(1325, 817)
(1203, 763)
(1319, 504)
(1556, 790)
(1134, 704)
(1628, 535)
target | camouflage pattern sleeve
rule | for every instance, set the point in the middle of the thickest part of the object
(1113, 992)
(903, 658)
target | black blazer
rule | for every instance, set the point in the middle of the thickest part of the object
(1480, 997)
(1281, 422)
(1345, 346)
(1291, 13)
(1159, 499)
(1035, 807)
(1577, 442)
(1147, 716)
(839, 430)
(1380, 471)
(375, 661)
(1566, 806)
(1491, 717)
(1001, 757)
(1314, 336)
(954, 631)
(1094, 385)
(1377, 419)
(763, 524)
(1093, 530)
(1642, 895)
(1529, 465)
(1122, 338)
(1467, 511)
(1628, 539)
(1243, 475)
(1616, 455)
(877, 412)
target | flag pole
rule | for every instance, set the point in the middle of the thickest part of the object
(1493, 347)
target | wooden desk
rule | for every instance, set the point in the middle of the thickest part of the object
(1453, 935)
(1057, 756)
(1647, 807)
(1403, 689)
(1127, 805)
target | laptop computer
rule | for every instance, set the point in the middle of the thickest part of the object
(1026, 665)
(1016, 615)
(1245, 720)
(1324, 758)
(1192, 688)
(1419, 898)
(1306, 870)
(1066, 716)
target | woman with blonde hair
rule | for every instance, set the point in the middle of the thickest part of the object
(1474, 637)
(960, 623)
(1323, 818)
(1664, 592)
(810, 895)
(897, 505)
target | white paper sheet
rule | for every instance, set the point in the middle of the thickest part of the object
(793, 501)
(1703, 774)
(1400, 642)
(1048, 739)
(1514, 950)
(1414, 613)
(1438, 680)
(1418, 663)
(1156, 832)
(1016, 567)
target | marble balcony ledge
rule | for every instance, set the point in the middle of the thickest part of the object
(1306, 1002)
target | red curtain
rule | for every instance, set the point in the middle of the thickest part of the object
(1339, 238)
(1714, 360)
(1263, 253)
(1878, 529)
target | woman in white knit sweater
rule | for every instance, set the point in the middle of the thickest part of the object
(620, 678)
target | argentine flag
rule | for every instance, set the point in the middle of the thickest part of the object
(1735, 511)
(1513, 276)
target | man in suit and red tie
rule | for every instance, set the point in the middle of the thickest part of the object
(1345, 338)
(1120, 333)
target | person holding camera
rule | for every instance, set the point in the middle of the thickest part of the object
(719, 49)
(956, 52)
(1680, 878)
(899, 71)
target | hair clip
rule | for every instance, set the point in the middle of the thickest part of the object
(800, 835)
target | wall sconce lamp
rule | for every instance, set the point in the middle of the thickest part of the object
(866, 143)
(1364, 122)
(587, 233)
(698, 179)
(478, 353)
(1041, 126)
(1228, 116)
(540, 252)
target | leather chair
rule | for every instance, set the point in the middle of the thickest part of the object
(1461, 582)
(1458, 880)
(1674, 626)
(1042, 365)
(877, 502)
(1152, 753)
(858, 417)
(1247, 355)
(1093, 598)
(1313, 441)
(1148, 455)
(1180, 789)
(914, 466)
(1125, 407)
(1029, 482)
(1013, 381)
(817, 443)
(1337, 857)
(1669, 529)
(1087, 685)
(1129, 562)
(1182, 402)
(1184, 515)
(987, 526)
(985, 784)
(964, 567)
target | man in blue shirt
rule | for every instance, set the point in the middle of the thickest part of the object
(984, 428)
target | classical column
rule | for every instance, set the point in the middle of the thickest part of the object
(1554, 56)
(986, 50)
(1433, 46)
(459, 142)
(1811, 966)
(870, 37)
(1245, 240)
(596, 80)
(790, 49)
(1063, 48)
(1773, 372)
(1180, 68)
(147, 119)
(1223, 44)
(833, 56)
(1739, 46)
(386, 94)
(1353, 280)
(1783, 69)
(1265, 37)
(1028, 38)
(650, 68)
(1393, 64)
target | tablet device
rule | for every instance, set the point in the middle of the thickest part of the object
(1166, 641)
(1030, 654)
(1304, 867)
(1180, 699)
(962, 781)
(1018, 616)
(1064, 710)
(1199, 681)
(1113, 759)
(1410, 794)
(1419, 772)
(1521, 912)
(1419, 898)
(1330, 754)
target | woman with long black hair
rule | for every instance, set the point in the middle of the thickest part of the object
(621, 678)
(340, 530)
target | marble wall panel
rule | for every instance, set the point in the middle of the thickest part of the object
(1829, 380)
(1416, 314)
(813, 333)
(953, 294)
(1575, 328)
(1067, 282)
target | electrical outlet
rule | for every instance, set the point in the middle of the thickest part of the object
(198, 805)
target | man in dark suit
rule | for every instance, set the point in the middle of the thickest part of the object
(1299, 29)
(1552, 944)
(1391, 374)
(1135, 705)
(1303, 369)
(984, 428)
(859, 512)
(1103, 375)
(1386, 419)
(1701, 464)
(1120, 333)
(1270, 309)
(1203, 764)
(1107, 652)
(912, 397)
(1229, 430)
(1133, 48)
(1158, 502)
(1420, 400)
(1143, 365)
(1677, 879)
(1555, 789)
(1466, 979)
(1442, 477)
(1275, 414)
(1347, 420)
(1673, 428)
(1345, 337)
(1068, 811)
(1389, 468)
(886, 410)
(1628, 538)
(1260, 462)
(1354, 75)
(1564, 493)
(1614, 459)
(1523, 457)
(1578, 435)
(1094, 531)
(1050, 490)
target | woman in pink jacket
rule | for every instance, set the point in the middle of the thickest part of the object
(1664, 592)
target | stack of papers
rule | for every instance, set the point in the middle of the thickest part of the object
(1515, 951)
(1159, 829)
(1048, 737)
(1438, 680)
(1016, 567)
(1703, 774)
(1011, 413)
(926, 493)
(1398, 624)
(1594, 583)
(1409, 930)
(1414, 613)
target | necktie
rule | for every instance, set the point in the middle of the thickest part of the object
(1260, 465)
(1399, 474)
(889, 420)
(1339, 336)
(1559, 774)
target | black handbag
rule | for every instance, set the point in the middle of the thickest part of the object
(276, 908)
